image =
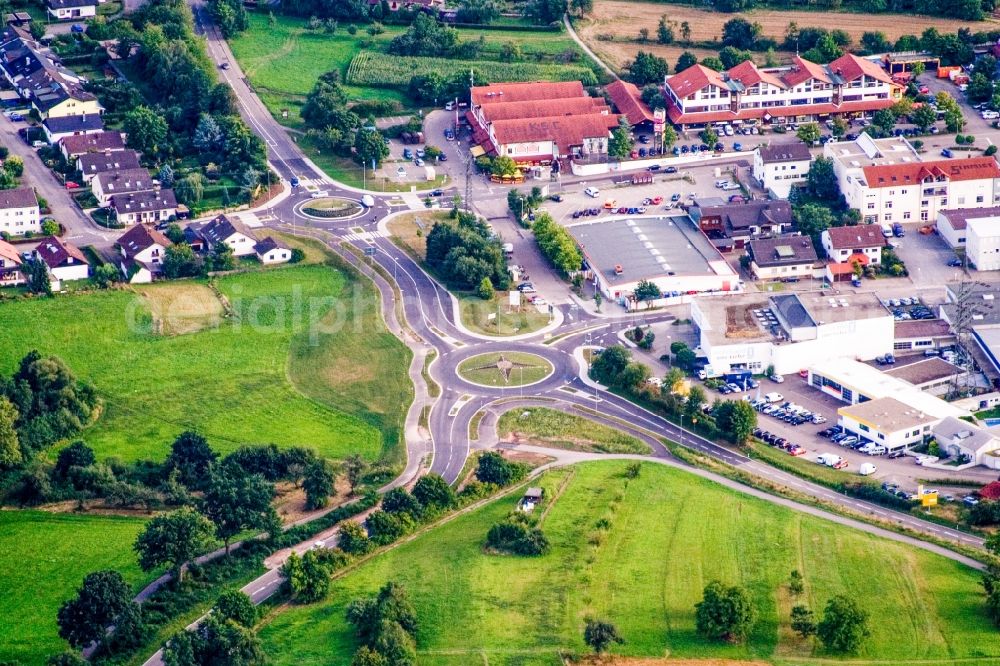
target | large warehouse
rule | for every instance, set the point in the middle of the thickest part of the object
(790, 331)
(667, 251)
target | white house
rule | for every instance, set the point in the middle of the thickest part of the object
(846, 246)
(144, 207)
(63, 261)
(961, 439)
(778, 167)
(71, 10)
(782, 257)
(19, 211)
(849, 86)
(232, 232)
(142, 251)
(10, 265)
(888, 181)
(888, 422)
(107, 184)
(270, 251)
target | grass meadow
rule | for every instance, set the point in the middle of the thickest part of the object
(670, 534)
(302, 359)
(44, 557)
(551, 427)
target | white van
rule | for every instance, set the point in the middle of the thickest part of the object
(592, 192)
(721, 183)
(867, 469)
(773, 397)
(367, 201)
(887, 230)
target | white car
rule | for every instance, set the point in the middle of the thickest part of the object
(655, 381)
(592, 192)
(990, 115)
(777, 379)
(319, 193)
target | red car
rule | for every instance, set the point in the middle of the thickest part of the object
(796, 451)
(657, 201)
(70, 185)
(803, 374)
(841, 465)
(924, 90)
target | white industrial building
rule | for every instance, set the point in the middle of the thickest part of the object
(777, 168)
(888, 181)
(790, 332)
(886, 421)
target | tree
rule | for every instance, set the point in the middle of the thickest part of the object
(102, 598)
(38, 280)
(556, 244)
(740, 33)
(318, 484)
(686, 59)
(478, 11)
(713, 63)
(370, 146)
(236, 606)
(923, 117)
(486, 291)
(398, 500)
(433, 492)
(582, 7)
(647, 68)
(180, 261)
(146, 130)
(737, 419)
(355, 468)
(803, 622)
(172, 539)
(10, 447)
(215, 642)
(647, 291)
(826, 49)
(76, 454)
(545, 11)
(308, 577)
(696, 399)
(730, 56)
(808, 133)
(426, 37)
(65, 658)
(190, 189)
(643, 35)
(610, 363)
(709, 136)
(875, 42)
(191, 456)
(14, 165)
(839, 128)
(353, 538)
(796, 585)
(599, 635)
(664, 34)
(844, 626)
(504, 165)
(884, 120)
(105, 275)
(221, 258)
(235, 501)
(724, 612)
(365, 656)
(822, 179)
(493, 468)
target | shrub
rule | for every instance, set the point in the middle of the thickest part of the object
(515, 537)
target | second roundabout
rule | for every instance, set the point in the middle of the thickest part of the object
(505, 369)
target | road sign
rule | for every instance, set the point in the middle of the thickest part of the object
(514, 298)
(370, 251)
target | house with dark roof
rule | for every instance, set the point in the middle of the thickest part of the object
(19, 212)
(64, 261)
(91, 164)
(142, 250)
(777, 167)
(146, 207)
(107, 184)
(102, 142)
(71, 10)
(731, 225)
(10, 265)
(60, 127)
(782, 258)
(849, 86)
(232, 232)
(846, 247)
(270, 251)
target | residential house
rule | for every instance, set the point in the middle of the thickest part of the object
(73, 147)
(232, 232)
(91, 164)
(270, 251)
(71, 10)
(150, 206)
(64, 261)
(847, 246)
(889, 182)
(778, 167)
(965, 441)
(731, 225)
(782, 258)
(142, 251)
(193, 237)
(10, 265)
(60, 127)
(107, 184)
(19, 212)
(849, 86)
(396, 5)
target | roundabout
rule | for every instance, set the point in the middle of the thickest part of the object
(330, 208)
(505, 369)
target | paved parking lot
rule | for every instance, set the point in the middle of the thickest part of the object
(926, 257)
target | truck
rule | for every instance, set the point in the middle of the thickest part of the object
(828, 459)
(708, 373)
(738, 376)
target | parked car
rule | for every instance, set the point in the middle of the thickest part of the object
(78, 28)
(670, 169)
(70, 185)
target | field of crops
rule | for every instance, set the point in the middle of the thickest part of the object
(382, 70)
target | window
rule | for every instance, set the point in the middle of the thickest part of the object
(862, 426)
(888, 217)
(979, 198)
(888, 204)
(881, 436)
(901, 346)
(871, 205)
(906, 215)
(923, 216)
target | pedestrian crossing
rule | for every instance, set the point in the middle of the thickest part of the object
(366, 236)
(313, 183)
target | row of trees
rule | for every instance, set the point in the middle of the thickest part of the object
(464, 252)
(556, 244)
(971, 10)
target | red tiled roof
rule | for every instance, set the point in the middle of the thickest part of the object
(675, 115)
(523, 92)
(748, 74)
(803, 70)
(566, 131)
(8, 251)
(628, 100)
(971, 168)
(693, 79)
(851, 67)
(862, 235)
(541, 108)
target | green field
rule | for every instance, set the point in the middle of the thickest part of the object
(504, 369)
(44, 558)
(304, 360)
(550, 427)
(670, 534)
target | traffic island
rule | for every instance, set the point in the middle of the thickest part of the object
(505, 369)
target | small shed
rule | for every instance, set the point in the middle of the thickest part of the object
(532, 496)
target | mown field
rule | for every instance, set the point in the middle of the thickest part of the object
(44, 558)
(550, 427)
(670, 534)
(303, 359)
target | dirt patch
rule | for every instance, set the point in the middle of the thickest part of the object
(93, 507)
(740, 321)
(569, 443)
(411, 230)
(180, 308)
(290, 502)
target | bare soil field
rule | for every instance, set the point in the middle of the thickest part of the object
(625, 19)
(182, 308)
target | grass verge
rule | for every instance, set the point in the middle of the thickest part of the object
(504, 369)
(549, 427)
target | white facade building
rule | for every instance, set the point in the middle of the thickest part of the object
(777, 168)
(887, 422)
(19, 211)
(888, 181)
(982, 245)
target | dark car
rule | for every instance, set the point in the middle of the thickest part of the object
(655, 167)
(576, 214)
(670, 169)
(644, 138)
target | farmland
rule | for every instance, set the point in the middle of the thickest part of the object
(285, 367)
(670, 533)
(623, 20)
(44, 558)
(384, 70)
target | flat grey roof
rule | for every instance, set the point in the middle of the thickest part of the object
(647, 247)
